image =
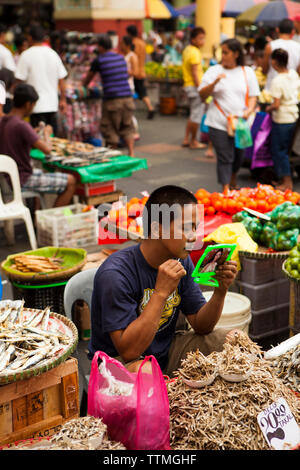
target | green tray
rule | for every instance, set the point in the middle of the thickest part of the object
(74, 260)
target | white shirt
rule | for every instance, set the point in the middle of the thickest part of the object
(6, 59)
(296, 37)
(293, 50)
(286, 87)
(229, 92)
(42, 68)
(2, 93)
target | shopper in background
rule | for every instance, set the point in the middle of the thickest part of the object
(41, 67)
(6, 57)
(296, 36)
(118, 104)
(285, 88)
(286, 42)
(2, 97)
(7, 78)
(192, 75)
(17, 138)
(139, 80)
(21, 43)
(234, 89)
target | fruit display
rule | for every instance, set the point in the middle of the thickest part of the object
(264, 198)
(156, 70)
(280, 233)
(292, 263)
(127, 216)
(265, 97)
(261, 77)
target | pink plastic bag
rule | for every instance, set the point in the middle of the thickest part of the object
(135, 407)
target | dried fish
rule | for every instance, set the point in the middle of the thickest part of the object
(86, 433)
(223, 415)
(287, 368)
(25, 343)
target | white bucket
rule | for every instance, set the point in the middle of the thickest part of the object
(236, 311)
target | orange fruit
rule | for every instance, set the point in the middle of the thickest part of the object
(231, 206)
(206, 201)
(218, 205)
(210, 210)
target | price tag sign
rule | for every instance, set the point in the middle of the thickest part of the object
(279, 426)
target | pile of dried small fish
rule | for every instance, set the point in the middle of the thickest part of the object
(223, 415)
(25, 343)
(197, 367)
(287, 368)
(36, 264)
(87, 433)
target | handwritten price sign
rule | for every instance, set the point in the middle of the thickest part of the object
(279, 426)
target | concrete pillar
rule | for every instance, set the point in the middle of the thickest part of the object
(208, 15)
(228, 27)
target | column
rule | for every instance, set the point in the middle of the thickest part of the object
(208, 15)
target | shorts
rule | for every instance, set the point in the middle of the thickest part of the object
(117, 120)
(197, 107)
(41, 182)
(139, 87)
(48, 118)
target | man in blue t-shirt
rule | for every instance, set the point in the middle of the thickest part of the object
(118, 104)
(139, 291)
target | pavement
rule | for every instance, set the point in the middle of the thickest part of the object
(168, 163)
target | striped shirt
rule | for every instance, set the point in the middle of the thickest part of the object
(112, 68)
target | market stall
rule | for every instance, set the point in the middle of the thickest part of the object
(96, 168)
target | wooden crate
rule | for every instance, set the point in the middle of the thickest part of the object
(36, 407)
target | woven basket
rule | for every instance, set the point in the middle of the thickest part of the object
(263, 254)
(74, 260)
(287, 274)
(37, 370)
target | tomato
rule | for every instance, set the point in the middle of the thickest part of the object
(261, 205)
(239, 205)
(206, 201)
(218, 205)
(210, 210)
(231, 206)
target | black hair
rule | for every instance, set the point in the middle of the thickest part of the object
(104, 41)
(235, 46)
(37, 33)
(132, 30)
(286, 26)
(19, 40)
(3, 28)
(281, 56)
(196, 31)
(128, 41)
(23, 94)
(7, 77)
(168, 195)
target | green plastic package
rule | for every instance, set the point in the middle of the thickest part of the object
(242, 136)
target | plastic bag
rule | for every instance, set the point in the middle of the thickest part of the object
(259, 153)
(135, 407)
(242, 136)
(203, 126)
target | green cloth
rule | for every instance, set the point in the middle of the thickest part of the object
(118, 167)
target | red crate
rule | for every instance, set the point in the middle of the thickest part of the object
(94, 189)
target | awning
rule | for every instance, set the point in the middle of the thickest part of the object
(159, 9)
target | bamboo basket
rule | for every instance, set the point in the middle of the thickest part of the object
(37, 370)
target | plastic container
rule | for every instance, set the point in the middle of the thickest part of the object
(269, 319)
(236, 311)
(260, 271)
(265, 295)
(67, 226)
(40, 296)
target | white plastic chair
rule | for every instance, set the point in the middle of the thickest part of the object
(15, 209)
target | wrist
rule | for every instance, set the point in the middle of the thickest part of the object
(159, 294)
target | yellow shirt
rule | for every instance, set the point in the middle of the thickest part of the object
(191, 56)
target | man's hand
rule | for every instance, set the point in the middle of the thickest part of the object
(63, 106)
(226, 274)
(169, 274)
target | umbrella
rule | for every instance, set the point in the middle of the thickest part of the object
(270, 13)
(230, 8)
(159, 9)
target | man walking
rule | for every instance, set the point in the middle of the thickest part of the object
(41, 67)
(118, 104)
(192, 74)
(139, 79)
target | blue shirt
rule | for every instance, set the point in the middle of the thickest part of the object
(123, 286)
(112, 68)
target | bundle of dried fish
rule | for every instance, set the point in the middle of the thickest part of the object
(87, 433)
(287, 368)
(36, 264)
(197, 367)
(233, 361)
(224, 414)
(27, 342)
